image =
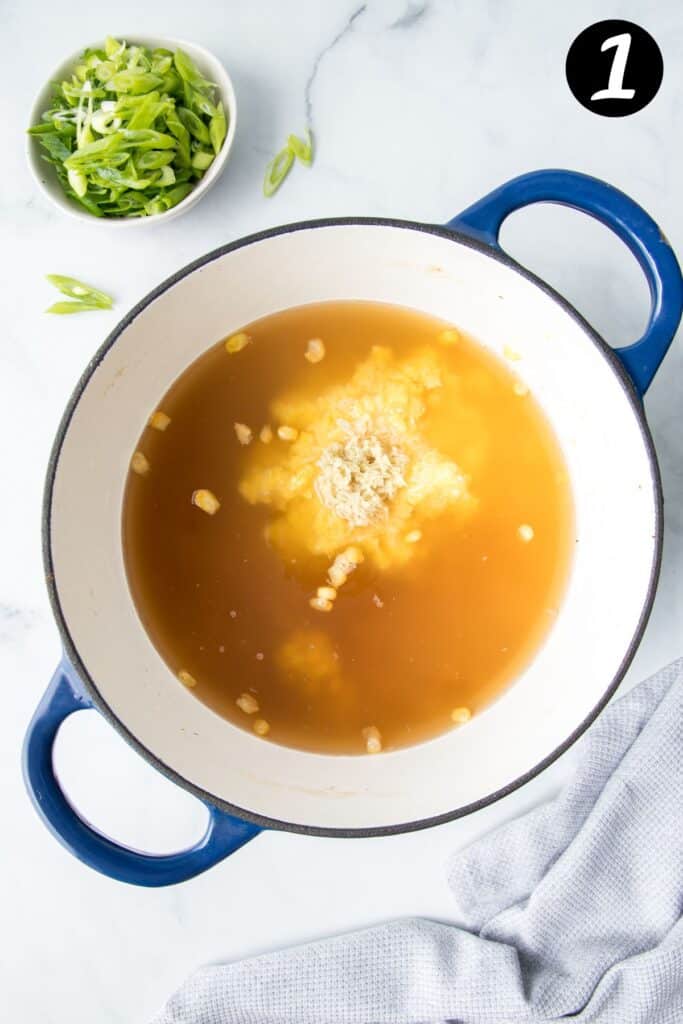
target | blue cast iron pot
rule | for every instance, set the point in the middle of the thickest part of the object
(592, 396)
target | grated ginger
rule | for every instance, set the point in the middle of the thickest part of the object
(360, 475)
(361, 471)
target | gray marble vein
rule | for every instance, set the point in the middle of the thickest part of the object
(412, 14)
(310, 82)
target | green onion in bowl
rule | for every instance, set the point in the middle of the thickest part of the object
(132, 130)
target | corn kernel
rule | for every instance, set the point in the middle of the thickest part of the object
(321, 604)
(243, 433)
(327, 593)
(315, 350)
(449, 337)
(526, 532)
(413, 537)
(337, 575)
(139, 464)
(287, 433)
(461, 715)
(236, 342)
(261, 727)
(373, 739)
(206, 501)
(159, 420)
(343, 565)
(266, 434)
(187, 679)
(247, 702)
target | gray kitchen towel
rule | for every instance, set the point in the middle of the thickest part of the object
(572, 912)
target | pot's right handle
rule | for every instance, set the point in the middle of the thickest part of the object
(224, 834)
(621, 215)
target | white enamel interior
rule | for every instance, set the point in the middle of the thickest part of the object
(615, 518)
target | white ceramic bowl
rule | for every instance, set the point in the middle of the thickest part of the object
(458, 275)
(44, 173)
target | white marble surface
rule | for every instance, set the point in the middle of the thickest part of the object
(419, 108)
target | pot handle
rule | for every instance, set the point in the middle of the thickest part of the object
(614, 209)
(223, 836)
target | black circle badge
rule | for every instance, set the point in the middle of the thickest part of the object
(614, 68)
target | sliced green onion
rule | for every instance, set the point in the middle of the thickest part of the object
(84, 294)
(167, 176)
(62, 308)
(45, 128)
(218, 127)
(105, 121)
(277, 170)
(153, 159)
(202, 159)
(146, 138)
(170, 198)
(174, 195)
(182, 136)
(113, 48)
(56, 147)
(135, 82)
(78, 182)
(188, 71)
(303, 151)
(194, 125)
(131, 129)
(202, 104)
(279, 167)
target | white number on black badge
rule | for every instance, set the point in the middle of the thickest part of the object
(615, 84)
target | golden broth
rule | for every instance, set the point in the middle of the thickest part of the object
(435, 622)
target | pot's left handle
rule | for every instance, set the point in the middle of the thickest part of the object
(223, 836)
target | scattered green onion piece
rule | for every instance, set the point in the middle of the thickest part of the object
(83, 293)
(279, 167)
(303, 151)
(277, 170)
(61, 308)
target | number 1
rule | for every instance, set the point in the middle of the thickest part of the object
(615, 83)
